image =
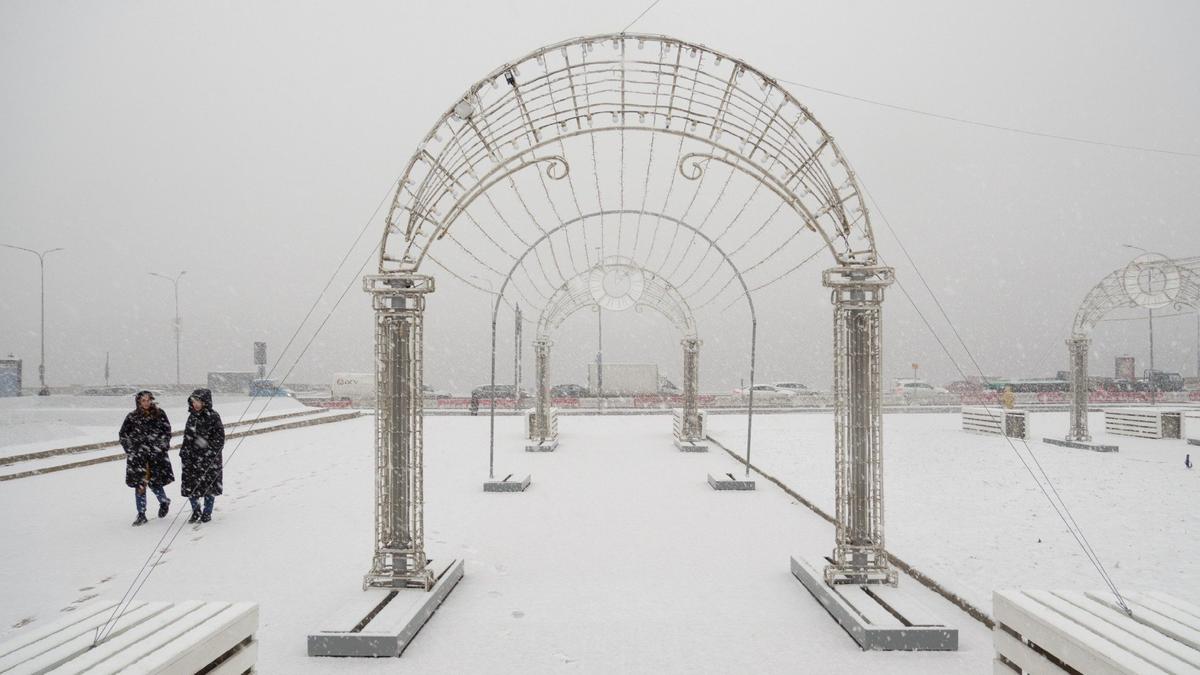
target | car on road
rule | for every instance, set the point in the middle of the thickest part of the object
(568, 391)
(497, 391)
(796, 388)
(109, 391)
(767, 393)
(916, 390)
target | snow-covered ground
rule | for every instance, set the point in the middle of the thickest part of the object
(962, 508)
(618, 558)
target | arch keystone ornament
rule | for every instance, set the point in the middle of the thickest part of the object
(626, 171)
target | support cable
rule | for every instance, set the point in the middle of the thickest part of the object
(131, 592)
(1064, 512)
(998, 127)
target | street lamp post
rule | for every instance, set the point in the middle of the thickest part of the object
(44, 391)
(178, 326)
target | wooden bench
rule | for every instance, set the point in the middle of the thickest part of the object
(1088, 632)
(1006, 422)
(216, 638)
(1144, 422)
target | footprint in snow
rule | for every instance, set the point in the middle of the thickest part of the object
(518, 614)
(24, 622)
(85, 598)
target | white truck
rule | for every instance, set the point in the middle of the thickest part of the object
(358, 387)
(624, 379)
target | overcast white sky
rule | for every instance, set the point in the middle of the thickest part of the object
(248, 143)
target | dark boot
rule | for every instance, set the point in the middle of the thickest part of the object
(163, 507)
(204, 518)
(141, 520)
(195, 516)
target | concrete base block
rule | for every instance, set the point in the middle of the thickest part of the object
(1081, 445)
(1193, 441)
(507, 484)
(542, 446)
(691, 446)
(878, 617)
(727, 481)
(383, 622)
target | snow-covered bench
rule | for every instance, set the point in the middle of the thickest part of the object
(1003, 421)
(1086, 632)
(216, 638)
(1144, 422)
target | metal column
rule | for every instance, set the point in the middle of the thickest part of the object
(1078, 347)
(858, 555)
(540, 429)
(692, 429)
(399, 560)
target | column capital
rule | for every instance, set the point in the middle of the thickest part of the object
(398, 284)
(398, 292)
(858, 285)
(691, 343)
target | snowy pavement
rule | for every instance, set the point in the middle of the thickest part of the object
(961, 507)
(618, 558)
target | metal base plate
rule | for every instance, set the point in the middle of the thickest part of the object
(878, 617)
(1081, 445)
(542, 446)
(507, 484)
(382, 622)
(726, 481)
(691, 446)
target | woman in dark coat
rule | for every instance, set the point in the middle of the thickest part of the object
(203, 440)
(146, 436)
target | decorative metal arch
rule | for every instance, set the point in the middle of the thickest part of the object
(1149, 281)
(577, 293)
(643, 147)
(524, 115)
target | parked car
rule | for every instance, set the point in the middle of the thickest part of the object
(497, 391)
(916, 390)
(268, 388)
(109, 391)
(796, 388)
(766, 393)
(568, 391)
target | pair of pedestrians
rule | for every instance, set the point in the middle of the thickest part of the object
(146, 437)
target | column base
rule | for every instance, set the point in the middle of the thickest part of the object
(1081, 445)
(542, 446)
(878, 618)
(691, 446)
(726, 481)
(382, 622)
(507, 484)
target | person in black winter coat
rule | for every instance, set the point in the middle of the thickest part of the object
(146, 437)
(203, 440)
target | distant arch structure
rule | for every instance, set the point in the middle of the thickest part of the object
(679, 161)
(616, 284)
(1149, 281)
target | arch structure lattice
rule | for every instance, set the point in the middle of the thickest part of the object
(668, 156)
(1149, 281)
